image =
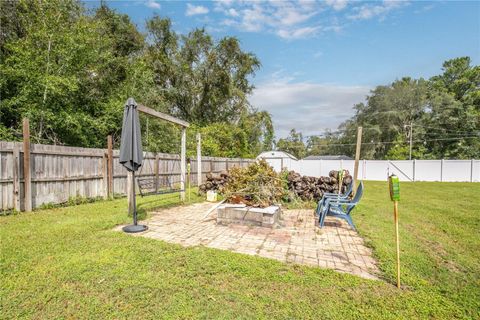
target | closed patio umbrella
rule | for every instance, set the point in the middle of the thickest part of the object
(131, 154)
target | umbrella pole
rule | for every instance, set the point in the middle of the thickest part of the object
(134, 200)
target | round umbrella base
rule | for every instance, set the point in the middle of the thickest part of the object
(135, 228)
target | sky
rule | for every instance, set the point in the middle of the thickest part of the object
(319, 58)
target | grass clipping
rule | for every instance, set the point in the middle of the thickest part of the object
(257, 185)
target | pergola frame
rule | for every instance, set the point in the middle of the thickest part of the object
(183, 152)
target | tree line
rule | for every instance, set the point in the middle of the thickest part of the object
(440, 116)
(70, 70)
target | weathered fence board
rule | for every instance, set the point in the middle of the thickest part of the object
(59, 173)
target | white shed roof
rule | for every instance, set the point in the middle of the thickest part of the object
(275, 154)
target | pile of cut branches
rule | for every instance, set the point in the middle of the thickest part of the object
(257, 185)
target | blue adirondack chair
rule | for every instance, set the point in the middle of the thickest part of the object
(341, 208)
(328, 195)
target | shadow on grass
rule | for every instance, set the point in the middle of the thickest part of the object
(164, 201)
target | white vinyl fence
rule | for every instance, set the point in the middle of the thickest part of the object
(406, 170)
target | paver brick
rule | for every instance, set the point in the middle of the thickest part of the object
(298, 240)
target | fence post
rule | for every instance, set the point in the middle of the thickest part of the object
(183, 157)
(226, 164)
(16, 177)
(414, 168)
(441, 170)
(130, 192)
(364, 169)
(105, 175)
(211, 166)
(471, 170)
(110, 165)
(199, 159)
(156, 169)
(27, 178)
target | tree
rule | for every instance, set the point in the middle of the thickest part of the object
(259, 129)
(443, 112)
(71, 72)
(203, 80)
(62, 72)
(293, 144)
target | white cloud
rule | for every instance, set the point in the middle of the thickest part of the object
(195, 10)
(297, 33)
(152, 4)
(337, 5)
(299, 19)
(289, 20)
(232, 12)
(308, 107)
(424, 9)
(369, 11)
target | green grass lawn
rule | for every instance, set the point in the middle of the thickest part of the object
(68, 263)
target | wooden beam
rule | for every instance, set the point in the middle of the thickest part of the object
(16, 178)
(161, 115)
(183, 160)
(357, 158)
(110, 166)
(199, 159)
(27, 178)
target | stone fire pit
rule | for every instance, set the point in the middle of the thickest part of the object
(241, 214)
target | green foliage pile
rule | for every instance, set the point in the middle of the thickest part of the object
(70, 71)
(256, 185)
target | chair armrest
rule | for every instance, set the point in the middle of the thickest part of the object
(343, 201)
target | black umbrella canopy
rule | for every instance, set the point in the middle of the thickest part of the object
(131, 153)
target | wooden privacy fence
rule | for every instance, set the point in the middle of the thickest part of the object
(58, 173)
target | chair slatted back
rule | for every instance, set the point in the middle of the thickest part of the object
(358, 194)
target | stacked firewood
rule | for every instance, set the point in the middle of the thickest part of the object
(312, 188)
(215, 182)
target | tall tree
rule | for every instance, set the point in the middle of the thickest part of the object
(203, 80)
(293, 144)
(443, 114)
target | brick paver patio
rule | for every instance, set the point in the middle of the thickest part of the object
(299, 240)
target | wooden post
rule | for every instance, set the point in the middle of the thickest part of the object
(397, 239)
(27, 178)
(199, 159)
(183, 163)
(211, 166)
(357, 158)
(110, 165)
(16, 177)
(226, 164)
(105, 175)
(156, 170)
